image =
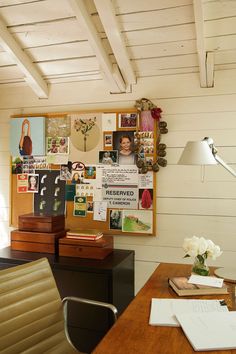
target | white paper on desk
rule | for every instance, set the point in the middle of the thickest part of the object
(163, 311)
(210, 331)
(210, 281)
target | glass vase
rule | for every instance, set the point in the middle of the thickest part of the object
(200, 267)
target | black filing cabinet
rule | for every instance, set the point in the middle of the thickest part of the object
(110, 280)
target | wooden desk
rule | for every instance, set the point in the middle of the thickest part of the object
(133, 335)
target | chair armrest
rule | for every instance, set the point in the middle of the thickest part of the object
(66, 299)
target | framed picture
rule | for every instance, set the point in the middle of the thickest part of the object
(127, 121)
(107, 140)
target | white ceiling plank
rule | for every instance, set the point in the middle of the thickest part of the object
(206, 67)
(227, 42)
(84, 20)
(75, 49)
(32, 76)
(162, 49)
(10, 73)
(112, 28)
(68, 66)
(124, 6)
(34, 12)
(221, 57)
(161, 35)
(220, 27)
(48, 33)
(171, 62)
(156, 18)
(219, 9)
(165, 72)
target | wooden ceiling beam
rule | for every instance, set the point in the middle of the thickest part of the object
(205, 59)
(32, 75)
(111, 26)
(109, 72)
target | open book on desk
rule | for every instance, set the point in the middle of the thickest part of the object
(163, 311)
(210, 331)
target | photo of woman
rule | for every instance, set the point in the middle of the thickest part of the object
(33, 185)
(124, 143)
(75, 178)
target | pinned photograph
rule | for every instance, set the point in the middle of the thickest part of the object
(89, 206)
(108, 140)
(145, 141)
(139, 221)
(65, 173)
(33, 183)
(58, 145)
(115, 219)
(17, 165)
(145, 198)
(123, 141)
(76, 177)
(127, 121)
(90, 172)
(108, 157)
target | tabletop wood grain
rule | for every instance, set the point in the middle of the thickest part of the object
(132, 333)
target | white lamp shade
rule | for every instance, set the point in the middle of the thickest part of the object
(197, 153)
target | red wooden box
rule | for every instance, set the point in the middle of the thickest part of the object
(41, 223)
(44, 242)
(98, 249)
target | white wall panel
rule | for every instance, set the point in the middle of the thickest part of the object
(185, 205)
(142, 273)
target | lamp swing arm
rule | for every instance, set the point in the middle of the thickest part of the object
(218, 158)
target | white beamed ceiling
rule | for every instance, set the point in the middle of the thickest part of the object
(159, 35)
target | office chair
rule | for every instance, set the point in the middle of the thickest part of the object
(32, 313)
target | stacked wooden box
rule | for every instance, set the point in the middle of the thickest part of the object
(38, 233)
(98, 249)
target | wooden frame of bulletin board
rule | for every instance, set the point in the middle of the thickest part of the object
(117, 181)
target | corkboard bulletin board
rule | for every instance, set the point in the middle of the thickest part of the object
(22, 203)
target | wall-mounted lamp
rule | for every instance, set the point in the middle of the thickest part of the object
(205, 153)
(202, 153)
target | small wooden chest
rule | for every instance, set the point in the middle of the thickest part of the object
(98, 249)
(41, 223)
(28, 241)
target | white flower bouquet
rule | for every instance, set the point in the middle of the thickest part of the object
(201, 249)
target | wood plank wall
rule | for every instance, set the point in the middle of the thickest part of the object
(186, 206)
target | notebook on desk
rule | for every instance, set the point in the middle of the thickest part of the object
(210, 331)
(163, 311)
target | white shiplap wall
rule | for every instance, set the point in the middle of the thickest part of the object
(185, 205)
